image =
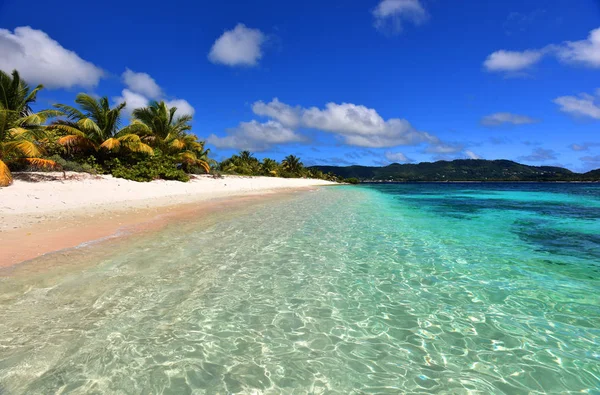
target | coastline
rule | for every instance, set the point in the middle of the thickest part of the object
(55, 212)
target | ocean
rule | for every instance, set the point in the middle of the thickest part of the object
(381, 288)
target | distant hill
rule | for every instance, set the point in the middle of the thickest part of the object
(460, 170)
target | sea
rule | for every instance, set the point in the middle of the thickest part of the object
(445, 288)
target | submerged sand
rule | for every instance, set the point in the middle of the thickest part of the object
(46, 212)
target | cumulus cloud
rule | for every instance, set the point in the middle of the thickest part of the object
(142, 88)
(585, 52)
(364, 127)
(141, 83)
(502, 118)
(539, 155)
(356, 124)
(183, 106)
(582, 105)
(241, 46)
(40, 59)
(288, 116)
(390, 15)
(132, 99)
(512, 61)
(397, 157)
(255, 136)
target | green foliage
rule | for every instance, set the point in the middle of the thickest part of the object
(352, 180)
(87, 165)
(152, 168)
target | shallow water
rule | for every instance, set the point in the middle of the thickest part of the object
(432, 288)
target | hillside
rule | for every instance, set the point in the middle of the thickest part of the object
(461, 170)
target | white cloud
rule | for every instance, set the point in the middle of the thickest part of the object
(391, 14)
(255, 136)
(355, 124)
(141, 83)
(238, 47)
(472, 155)
(501, 118)
(363, 127)
(582, 105)
(183, 107)
(288, 116)
(397, 157)
(141, 88)
(585, 52)
(512, 61)
(132, 99)
(40, 59)
(444, 148)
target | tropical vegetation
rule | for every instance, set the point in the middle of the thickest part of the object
(22, 132)
(93, 136)
(291, 166)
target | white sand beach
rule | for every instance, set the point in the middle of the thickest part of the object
(43, 212)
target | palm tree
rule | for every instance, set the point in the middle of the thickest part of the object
(16, 95)
(20, 128)
(95, 127)
(159, 124)
(292, 164)
(247, 157)
(160, 127)
(192, 153)
(269, 166)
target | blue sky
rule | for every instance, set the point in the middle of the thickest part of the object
(335, 82)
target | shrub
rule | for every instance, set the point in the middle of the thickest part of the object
(352, 180)
(152, 168)
(87, 166)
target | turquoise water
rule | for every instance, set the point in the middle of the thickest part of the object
(428, 288)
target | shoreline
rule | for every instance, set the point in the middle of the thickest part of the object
(56, 214)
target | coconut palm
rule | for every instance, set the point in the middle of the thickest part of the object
(292, 164)
(96, 127)
(20, 128)
(159, 125)
(15, 94)
(191, 152)
(269, 166)
(247, 157)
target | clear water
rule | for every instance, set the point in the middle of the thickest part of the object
(429, 288)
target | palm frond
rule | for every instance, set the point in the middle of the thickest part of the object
(136, 127)
(70, 112)
(89, 124)
(177, 144)
(40, 163)
(5, 175)
(67, 127)
(143, 148)
(16, 132)
(24, 147)
(204, 165)
(111, 144)
(76, 142)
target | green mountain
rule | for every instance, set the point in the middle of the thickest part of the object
(460, 170)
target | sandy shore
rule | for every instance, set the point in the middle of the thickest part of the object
(45, 212)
